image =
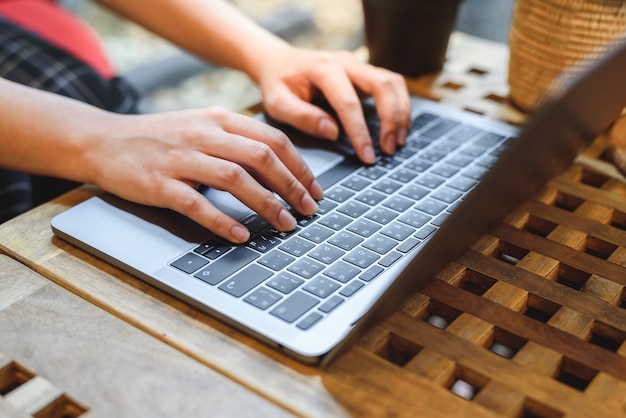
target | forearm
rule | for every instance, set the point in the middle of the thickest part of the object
(211, 29)
(42, 133)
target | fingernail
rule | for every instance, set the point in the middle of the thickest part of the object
(369, 156)
(327, 129)
(316, 191)
(286, 220)
(240, 234)
(309, 206)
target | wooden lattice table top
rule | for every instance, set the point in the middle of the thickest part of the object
(531, 321)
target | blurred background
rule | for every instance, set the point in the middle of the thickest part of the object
(172, 79)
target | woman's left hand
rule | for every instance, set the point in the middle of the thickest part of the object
(290, 79)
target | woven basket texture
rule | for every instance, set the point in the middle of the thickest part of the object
(552, 40)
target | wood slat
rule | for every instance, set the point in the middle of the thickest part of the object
(546, 289)
(529, 329)
(537, 387)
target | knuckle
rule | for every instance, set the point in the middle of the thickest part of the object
(232, 173)
(262, 153)
(190, 204)
(267, 203)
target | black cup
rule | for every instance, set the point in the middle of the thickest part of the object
(409, 36)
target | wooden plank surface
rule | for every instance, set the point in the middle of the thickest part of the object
(531, 321)
(90, 361)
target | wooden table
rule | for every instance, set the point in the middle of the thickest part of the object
(530, 322)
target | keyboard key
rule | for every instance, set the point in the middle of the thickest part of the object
(430, 206)
(335, 221)
(255, 223)
(316, 233)
(361, 258)
(464, 133)
(294, 306)
(390, 258)
(304, 220)
(331, 304)
(372, 173)
(473, 151)
(284, 282)
(263, 298)
(310, 320)
(325, 253)
(345, 240)
(433, 156)
(276, 260)
(419, 165)
(460, 160)
(387, 186)
(397, 203)
(356, 183)
(462, 183)
(226, 265)
(371, 273)
(296, 246)
(430, 181)
(371, 197)
(489, 139)
(440, 128)
(189, 263)
(439, 220)
(415, 219)
(380, 244)
(425, 232)
(283, 234)
(213, 248)
(446, 194)
(339, 194)
(414, 192)
(321, 287)
(403, 176)
(408, 245)
(325, 206)
(381, 215)
(306, 268)
(246, 280)
(446, 170)
(351, 288)
(475, 172)
(353, 209)
(363, 227)
(263, 243)
(397, 231)
(342, 271)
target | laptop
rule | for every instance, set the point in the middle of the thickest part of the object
(381, 231)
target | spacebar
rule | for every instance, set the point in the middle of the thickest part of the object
(226, 265)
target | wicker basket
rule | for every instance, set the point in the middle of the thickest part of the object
(549, 38)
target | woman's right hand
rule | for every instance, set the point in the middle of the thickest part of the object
(161, 159)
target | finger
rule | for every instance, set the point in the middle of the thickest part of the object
(284, 154)
(392, 102)
(233, 178)
(284, 106)
(338, 89)
(264, 157)
(190, 203)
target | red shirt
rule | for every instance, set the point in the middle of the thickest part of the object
(61, 28)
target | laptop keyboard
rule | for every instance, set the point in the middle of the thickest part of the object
(369, 219)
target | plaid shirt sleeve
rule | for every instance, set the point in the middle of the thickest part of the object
(28, 59)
